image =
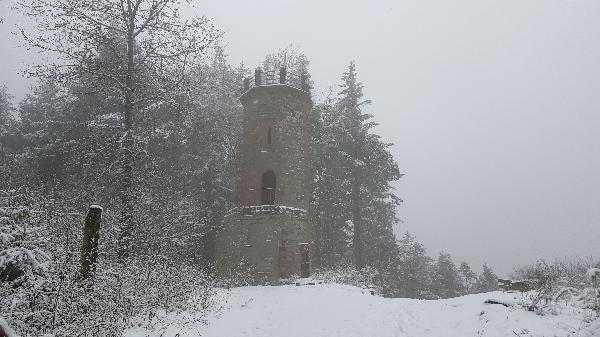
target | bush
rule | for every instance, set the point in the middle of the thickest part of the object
(364, 278)
(41, 291)
(552, 281)
(140, 293)
(22, 246)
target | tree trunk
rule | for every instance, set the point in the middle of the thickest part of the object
(357, 240)
(89, 245)
(317, 228)
(126, 216)
(330, 245)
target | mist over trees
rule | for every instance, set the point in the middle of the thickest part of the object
(140, 114)
(354, 205)
(139, 53)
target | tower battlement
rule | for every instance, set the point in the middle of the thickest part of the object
(272, 77)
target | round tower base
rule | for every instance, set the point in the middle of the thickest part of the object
(263, 244)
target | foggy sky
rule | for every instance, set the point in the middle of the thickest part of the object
(492, 106)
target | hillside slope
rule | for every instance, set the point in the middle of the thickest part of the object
(338, 310)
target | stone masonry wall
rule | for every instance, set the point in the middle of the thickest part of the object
(285, 110)
(268, 243)
(265, 245)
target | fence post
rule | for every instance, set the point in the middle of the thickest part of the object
(89, 245)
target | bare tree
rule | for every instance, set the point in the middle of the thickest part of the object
(139, 51)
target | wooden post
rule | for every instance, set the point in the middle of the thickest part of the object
(89, 245)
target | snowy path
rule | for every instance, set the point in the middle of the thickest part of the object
(344, 311)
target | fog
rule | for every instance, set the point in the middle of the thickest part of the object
(492, 107)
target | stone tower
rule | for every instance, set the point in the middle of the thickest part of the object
(268, 235)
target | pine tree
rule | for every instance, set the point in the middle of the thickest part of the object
(487, 281)
(330, 199)
(22, 243)
(353, 144)
(7, 131)
(468, 277)
(369, 166)
(415, 268)
(446, 282)
(353, 204)
(6, 110)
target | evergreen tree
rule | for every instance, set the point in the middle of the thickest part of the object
(330, 199)
(353, 141)
(487, 281)
(354, 171)
(415, 268)
(6, 110)
(23, 256)
(446, 281)
(7, 131)
(468, 277)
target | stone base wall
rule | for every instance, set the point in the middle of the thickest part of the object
(267, 245)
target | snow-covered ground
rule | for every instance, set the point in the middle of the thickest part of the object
(338, 310)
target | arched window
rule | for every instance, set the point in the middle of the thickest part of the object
(268, 188)
(269, 136)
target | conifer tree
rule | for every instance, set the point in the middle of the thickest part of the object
(446, 282)
(468, 276)
(23, 242)
(7, 126)
(415, 268)
(487, 281)
(353, 200)
(330, 200)
(369, 165)
(353, 144)
(6, 109)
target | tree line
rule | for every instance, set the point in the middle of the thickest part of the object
(354, 206)
(140, 114)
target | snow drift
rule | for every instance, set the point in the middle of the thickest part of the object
(340, 310)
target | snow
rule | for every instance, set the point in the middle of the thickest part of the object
(8, 332)
(591, 272)
(97, 207)
(32, 261)
(340, 310)
(265, 209)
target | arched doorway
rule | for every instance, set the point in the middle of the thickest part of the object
(268, 188)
